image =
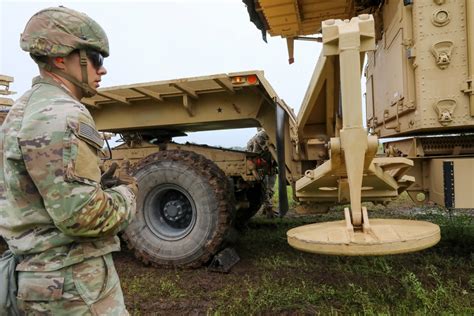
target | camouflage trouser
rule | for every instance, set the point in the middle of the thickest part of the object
(267, 205)
(91, 287)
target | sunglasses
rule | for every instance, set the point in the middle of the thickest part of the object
(96, 58)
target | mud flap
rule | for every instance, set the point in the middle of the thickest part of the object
(224, 261)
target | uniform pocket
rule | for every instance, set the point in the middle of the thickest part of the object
(90, 279)
(98, 285)
(40, 286)
(86, 163)
(111, 300)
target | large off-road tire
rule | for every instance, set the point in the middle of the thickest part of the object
(184, 209)
(254, 196)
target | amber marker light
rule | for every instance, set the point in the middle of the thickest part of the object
(238, 80)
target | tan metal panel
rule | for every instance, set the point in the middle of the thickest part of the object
(426, 87)
(317, 113)
(462, 182)
(469, 86)
(282, 10)
(290, 18)
(167, 89)
(270, 3)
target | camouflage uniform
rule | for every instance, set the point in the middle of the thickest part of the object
(259, 144)
(53, 212)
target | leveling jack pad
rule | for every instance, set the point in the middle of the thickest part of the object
(224, 261)
(384, 237)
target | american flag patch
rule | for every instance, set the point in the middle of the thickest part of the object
(90, 135)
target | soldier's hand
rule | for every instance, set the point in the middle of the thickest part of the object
(129, 181)
(125, 178)
(107, 180)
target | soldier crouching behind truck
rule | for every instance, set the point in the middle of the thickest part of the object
(55, 216)
(259, 144)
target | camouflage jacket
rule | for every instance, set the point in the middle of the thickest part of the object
(52, 207)
(258, 143)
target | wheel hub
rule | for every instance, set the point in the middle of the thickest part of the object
(171, 213)
(173, 210)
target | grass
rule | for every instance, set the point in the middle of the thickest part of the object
(147, 284)
(289, 192)
(437, 280)
(273, 278)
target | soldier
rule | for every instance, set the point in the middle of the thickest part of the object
(55, 216)
(259, 144)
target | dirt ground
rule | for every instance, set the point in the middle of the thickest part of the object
(272, 278)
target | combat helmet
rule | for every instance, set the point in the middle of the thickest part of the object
(58, 31)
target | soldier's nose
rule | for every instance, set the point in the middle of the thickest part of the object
(102, 71)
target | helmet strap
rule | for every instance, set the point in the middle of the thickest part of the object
(87, 91)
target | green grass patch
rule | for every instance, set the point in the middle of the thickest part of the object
(439, 280)
(289, 192)
(146, 284)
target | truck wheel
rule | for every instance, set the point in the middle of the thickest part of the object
(184, 209)
(255, 198)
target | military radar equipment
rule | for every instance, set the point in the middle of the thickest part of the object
(419, 73)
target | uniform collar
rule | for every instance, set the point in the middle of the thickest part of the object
(52, 81)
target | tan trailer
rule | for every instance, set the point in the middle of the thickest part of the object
(190, 195)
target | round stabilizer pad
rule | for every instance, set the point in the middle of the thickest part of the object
(386, 236)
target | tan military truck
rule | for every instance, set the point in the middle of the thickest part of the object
(190, 195)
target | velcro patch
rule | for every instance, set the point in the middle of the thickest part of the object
(90, 135)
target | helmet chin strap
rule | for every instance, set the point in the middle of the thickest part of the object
(87, 91)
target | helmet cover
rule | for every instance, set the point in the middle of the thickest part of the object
(57, 31)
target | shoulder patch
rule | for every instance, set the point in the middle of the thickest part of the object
(90, 135)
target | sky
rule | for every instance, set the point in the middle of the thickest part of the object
(161, 40)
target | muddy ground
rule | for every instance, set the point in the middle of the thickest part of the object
(272, 278)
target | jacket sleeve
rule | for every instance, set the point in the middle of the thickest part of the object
(64, 165)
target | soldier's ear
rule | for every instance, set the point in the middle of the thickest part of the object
(58, 62)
